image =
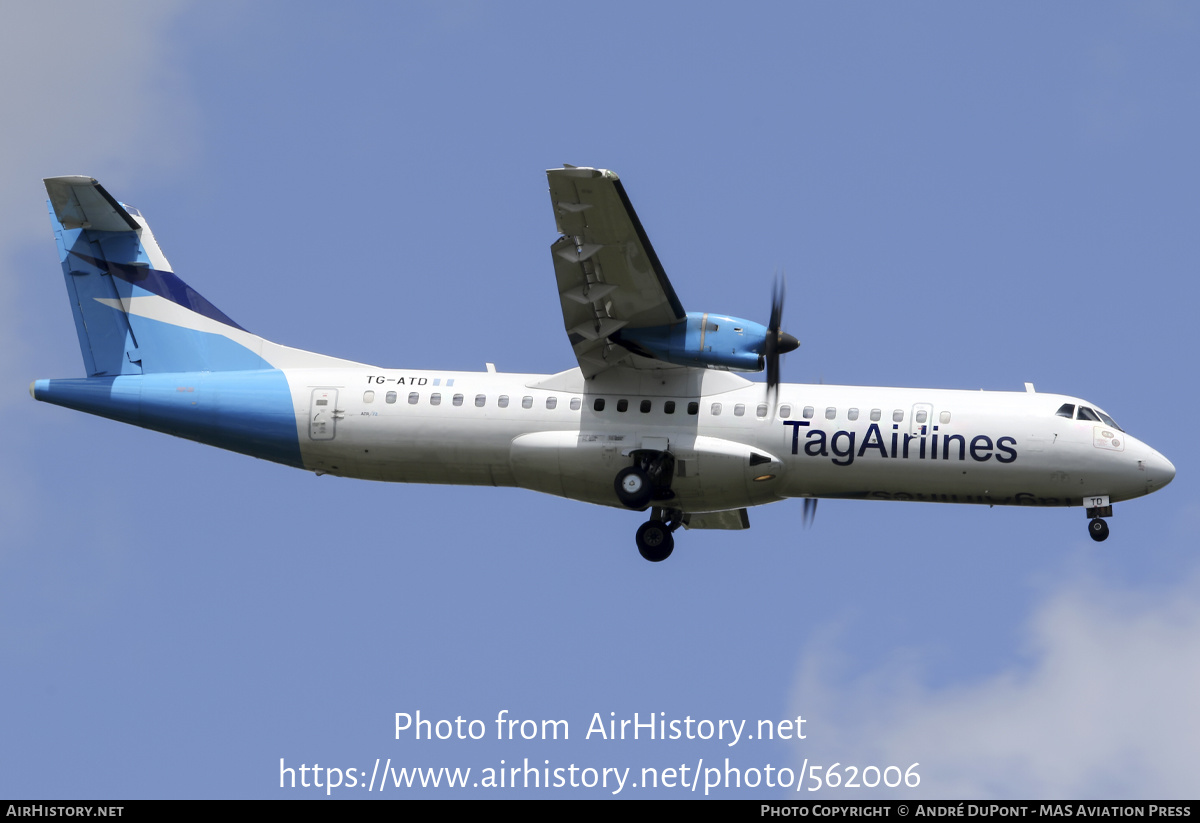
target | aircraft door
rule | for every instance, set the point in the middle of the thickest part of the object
(323, 414)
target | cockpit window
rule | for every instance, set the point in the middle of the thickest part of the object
(1066, 410)
(1109, 420)
(1087, 414)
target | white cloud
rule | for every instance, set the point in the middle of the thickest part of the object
(1106, 704)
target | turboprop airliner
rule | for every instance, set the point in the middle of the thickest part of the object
(655, 417)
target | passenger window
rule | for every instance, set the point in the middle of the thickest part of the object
(435, 399)
(761, 411)
(898, 416)
(368, 397)
(669, 407)
(414, 398)
(622, 405)
(785, 411)
(576, 403)
(645, 407)
(739, 409)
(852, 414)
(480, 400)
(875, 415)
(502, 401)
(1087, 414)
(715, 409)
(458, 400)
(808, 412)
(599, 404)
(693, 407)
(830, 413)
(1066, 410)
(390, 397)
(922, 416)
(527, 402)
(945, 417)
(552, 402)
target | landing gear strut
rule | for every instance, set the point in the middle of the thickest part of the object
(649, 478)
(655, 538)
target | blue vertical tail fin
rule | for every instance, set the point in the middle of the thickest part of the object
(132, 314)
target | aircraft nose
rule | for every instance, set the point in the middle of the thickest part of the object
(1159, 470)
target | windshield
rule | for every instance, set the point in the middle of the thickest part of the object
(1109, 420)
(1069, 411)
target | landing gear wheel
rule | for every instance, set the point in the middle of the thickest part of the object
(1098, 529)
(634, 488)
(655, 541)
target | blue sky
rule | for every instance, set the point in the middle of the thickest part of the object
(962, 196)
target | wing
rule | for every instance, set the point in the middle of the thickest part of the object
(609, 277)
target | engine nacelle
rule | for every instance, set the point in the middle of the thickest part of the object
(714, 341)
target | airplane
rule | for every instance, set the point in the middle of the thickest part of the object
(655, 417)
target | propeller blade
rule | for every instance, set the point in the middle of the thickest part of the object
(777, 294)
(810, 511)
(778, 341)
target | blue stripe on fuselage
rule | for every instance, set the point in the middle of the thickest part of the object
(245, 411)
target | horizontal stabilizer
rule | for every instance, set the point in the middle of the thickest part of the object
(81, 203)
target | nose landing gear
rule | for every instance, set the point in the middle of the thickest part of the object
(1098, 508)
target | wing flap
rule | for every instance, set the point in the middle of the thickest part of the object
(730, 519)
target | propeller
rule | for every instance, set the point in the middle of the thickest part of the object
(810, 511)
(778, 341)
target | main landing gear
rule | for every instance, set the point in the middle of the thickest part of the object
(634, 489)
(649, 478)
(655, 537)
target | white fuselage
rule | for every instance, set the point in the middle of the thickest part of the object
(732, 447)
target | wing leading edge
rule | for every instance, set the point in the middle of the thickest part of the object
(609, 277)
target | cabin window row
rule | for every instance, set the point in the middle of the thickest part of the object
(502, 401)
(875, 415)
(670, 407)
(645, 406)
